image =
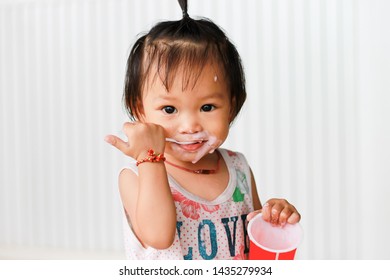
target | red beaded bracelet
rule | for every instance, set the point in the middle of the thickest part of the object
(152, 157)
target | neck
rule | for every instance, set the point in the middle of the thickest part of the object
(193, 169)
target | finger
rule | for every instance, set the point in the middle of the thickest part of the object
(294, 218)
(110, 139)
(266, 212)
(275, 213)
(116, 142)
(284, 215)
(251, 215)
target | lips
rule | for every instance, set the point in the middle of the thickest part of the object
(199, 145)
(189, 143)
(191, 147)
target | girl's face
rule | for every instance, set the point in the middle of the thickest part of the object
(198, 118)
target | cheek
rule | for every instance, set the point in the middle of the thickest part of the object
(219, 130)
(225, 132)
(169, 129)
(168, 126)
(151, 116)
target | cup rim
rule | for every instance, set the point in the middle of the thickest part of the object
(278, 251)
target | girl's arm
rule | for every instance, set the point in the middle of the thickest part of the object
(149, 204)
(147, 198)
(256, 200)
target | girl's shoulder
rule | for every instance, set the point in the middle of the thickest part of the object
(130, 164)
(230, 153)
(234, 158)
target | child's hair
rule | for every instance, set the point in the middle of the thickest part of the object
(185, 45)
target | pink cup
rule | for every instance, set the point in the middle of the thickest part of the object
(268, 242)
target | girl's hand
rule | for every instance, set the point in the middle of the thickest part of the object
(278, 212)
(141, 137)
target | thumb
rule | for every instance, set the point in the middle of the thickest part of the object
(116, 142)
(251, 215)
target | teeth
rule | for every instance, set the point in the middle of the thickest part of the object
(189, 143)
(184, 142)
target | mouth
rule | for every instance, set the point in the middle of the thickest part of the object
(190, 146)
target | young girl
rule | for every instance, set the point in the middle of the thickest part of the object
(183, 196)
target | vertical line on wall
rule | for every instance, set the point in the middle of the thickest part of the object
(278, 172)
(14, 165)
(341, 186)
(4, 215)
(292, 147)
(356, 185)
(7, 150)
(311, 242)
(324, 131)
(50, 21)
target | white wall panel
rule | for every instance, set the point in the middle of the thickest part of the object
(61, 77)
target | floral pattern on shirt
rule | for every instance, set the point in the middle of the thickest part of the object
(191, 208)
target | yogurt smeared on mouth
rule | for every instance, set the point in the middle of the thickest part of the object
(183, 142)
(199, 143)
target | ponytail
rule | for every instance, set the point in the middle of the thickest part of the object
(184, 8)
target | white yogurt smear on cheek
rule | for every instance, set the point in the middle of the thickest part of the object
(208, 147)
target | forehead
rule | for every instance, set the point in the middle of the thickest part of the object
(166, 59)
(186, 78)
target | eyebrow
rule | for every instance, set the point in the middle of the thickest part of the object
(216, 95)
(213, 95)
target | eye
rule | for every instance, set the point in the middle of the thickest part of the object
(169, 109)
(207, 108)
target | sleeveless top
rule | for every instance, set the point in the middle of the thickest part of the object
(204, 229)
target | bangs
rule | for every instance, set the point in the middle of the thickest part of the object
(163, 59)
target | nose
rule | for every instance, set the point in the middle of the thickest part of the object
(189, 123)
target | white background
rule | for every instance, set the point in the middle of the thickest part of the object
(315, 128)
